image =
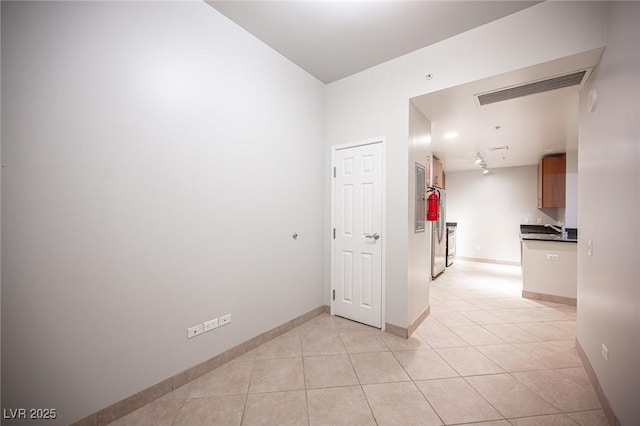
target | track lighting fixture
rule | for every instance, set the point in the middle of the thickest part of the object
(482, 163)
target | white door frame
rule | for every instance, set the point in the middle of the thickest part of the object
(383, 240)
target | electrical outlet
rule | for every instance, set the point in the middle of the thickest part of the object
(589, 248)
(210, 325)
(525, 220)
(605, 352)
(194, 331)
(224, 320)
(553, 257)
(539, 221)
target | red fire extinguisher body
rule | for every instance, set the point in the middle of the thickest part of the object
(432, 203)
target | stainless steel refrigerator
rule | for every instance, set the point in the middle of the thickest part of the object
(439, 238)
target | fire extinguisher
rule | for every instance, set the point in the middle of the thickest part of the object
(433, 202)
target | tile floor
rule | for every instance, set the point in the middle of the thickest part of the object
(484, 356)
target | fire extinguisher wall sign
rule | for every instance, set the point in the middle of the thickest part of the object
(433, 204)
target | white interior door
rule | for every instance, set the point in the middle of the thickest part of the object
(357, 280)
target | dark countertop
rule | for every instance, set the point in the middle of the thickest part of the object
(543, 233)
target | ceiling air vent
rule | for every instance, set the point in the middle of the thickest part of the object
(532, 88)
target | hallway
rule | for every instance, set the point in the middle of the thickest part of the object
(484, 354)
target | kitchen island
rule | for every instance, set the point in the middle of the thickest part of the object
(549, 265)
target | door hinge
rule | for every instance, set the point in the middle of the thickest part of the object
(334, 294)
(334, 172)
(334, 233)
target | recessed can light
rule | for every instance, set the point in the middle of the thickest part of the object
(451, 135)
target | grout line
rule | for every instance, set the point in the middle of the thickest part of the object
(246, 396)
(416, 386)
(304, 382)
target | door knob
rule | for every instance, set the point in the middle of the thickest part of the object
(375, 236)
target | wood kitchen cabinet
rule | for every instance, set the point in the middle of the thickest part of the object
(552, 181)
(438, 173)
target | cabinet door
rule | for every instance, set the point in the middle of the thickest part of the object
(437, 173)
(540, 184)
(553, 176)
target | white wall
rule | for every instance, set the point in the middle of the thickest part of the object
(571, 199)
(157, 159)
(0, 199)
(373, 103)
(490, 208)
(419, 253)
(608, 205)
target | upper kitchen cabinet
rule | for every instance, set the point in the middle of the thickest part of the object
(438, 173)
(552, 181)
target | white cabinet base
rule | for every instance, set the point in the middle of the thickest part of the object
(549, 268)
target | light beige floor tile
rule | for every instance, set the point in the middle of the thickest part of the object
(453, 305)
(156, 413)
(427, 326)
(518, 315)
(468, 361)
(451, 318)
(456, 401)
(570, 326)
(441, 337)
(512, 334)
(319, 332)
(378, 367)
(551, 354)
(424, 364)
(278, 408)
(367, 341)
(568, 389)
(495, 423)
(510, 358)
(279, 374)
(251, 354)
(488, 304)
(476, 335)
(324, 322)
(322, 344)
(439, 294)
(230, 379)
(347, 326)
(569, 345)
(430, 322)
(328, 371)
(551, 314)
(281, 347)
(219, 410)
(483, 317)
(399, 404)
(339, 406)
(510, 397)
(545, 331)
(518, 302)
(396, 343)
(590, 418)
(550, 420)
(567, 311)
(179, 394)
